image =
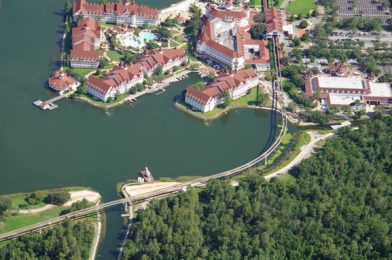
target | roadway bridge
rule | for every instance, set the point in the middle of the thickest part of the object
(164, 192)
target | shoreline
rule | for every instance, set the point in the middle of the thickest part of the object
(226, 110)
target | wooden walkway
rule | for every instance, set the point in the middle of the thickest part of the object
(50, 103)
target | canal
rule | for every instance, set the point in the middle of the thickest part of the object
(80, 145)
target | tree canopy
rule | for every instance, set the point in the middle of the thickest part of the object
(71, 240)
(338, 207)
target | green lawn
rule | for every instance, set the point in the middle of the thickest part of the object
(301, 7)
(79, 72)
(258, 3)
(19, 202)
(180, 38)
(18, 221)
(173, 44)
(104, 104)
(114, 55)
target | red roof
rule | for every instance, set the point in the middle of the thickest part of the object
(118, 9)
(116, 77)
(243, 38)
(84, 37)
(273, 19)
(60, 80)
(227, 14)
(223, 83)
(197, 94)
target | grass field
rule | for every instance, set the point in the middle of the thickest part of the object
(258, 3)
(14, 221)
(115, 55)
(300, 7)
(18, 221)
(80, 72)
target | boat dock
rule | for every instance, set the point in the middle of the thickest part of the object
(50, 103)
(160, 88)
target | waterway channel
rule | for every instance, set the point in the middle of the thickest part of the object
(77, 144)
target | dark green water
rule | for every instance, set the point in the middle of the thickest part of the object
(77, 144)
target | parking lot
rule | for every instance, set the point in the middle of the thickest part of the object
(364, 8)
(361, 36)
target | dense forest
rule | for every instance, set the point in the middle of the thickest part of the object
(71, 240)
(339, 207)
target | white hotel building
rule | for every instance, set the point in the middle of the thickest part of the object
(121, 79)
(118, 13)
(237, 85)
(225, 38)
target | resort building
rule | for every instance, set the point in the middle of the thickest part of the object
(340, 91)
(166, 58)
(276, 23)
(86, 40)
(61, 82)
(118, 81)
(118, 13)
(225, 38)
(236, 85)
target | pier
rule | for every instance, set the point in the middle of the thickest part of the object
(160, 88)
(50, 103)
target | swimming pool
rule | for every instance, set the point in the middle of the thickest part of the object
(137, 42)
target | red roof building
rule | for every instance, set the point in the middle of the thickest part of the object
(118, 81)
(237, 85)
(225, 38)
(61, 81)
(119, 13)
(166, 58)
(86, 39)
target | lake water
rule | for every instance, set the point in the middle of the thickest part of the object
(77, 144)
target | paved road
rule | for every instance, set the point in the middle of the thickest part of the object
(306, 151)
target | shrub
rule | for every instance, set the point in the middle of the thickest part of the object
(5, 204)
(58, 198)
(35, 198)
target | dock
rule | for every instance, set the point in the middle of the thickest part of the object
(50, 103)
(160, 88)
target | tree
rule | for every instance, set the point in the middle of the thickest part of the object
(336, 206)
(103, 63)
(68, 8)
(35, 198)
(195, 23)
(70, 240)
(5, 204)
(257, 31)
(57, 198)
(151, 45)
(158, 71)
(227, 98)
(163, 32)
(130, 57)
(303, 24)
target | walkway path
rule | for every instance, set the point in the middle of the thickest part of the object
(37, 210)
(306, 151)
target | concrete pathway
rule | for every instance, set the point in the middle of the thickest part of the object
(306, 151)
